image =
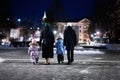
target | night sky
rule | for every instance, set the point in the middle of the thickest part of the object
(34, 9)
(69, 8)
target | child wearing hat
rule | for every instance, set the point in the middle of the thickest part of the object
(60, 49)
(33, 51)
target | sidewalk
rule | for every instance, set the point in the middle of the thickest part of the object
(8, 47)
(17, 66)
(101, 46)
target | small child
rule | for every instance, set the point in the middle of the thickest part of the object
(33, 51)
(60, 50)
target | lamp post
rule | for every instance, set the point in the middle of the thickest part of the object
(19, 20)
(92, 36)
(99, 36)
(55, 32)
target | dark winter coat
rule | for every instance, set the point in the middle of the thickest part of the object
(47, 41)
(70, 38)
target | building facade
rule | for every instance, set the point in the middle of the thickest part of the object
(80, 27)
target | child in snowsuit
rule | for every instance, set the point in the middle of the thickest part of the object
(33, 51)
(60, 50)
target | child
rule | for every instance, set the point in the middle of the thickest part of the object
(33, 51)
(60, 49)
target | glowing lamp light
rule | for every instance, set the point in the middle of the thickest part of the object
(38, 28)
(97, 32)
(54, 32)
(19, 20)
(92, 35)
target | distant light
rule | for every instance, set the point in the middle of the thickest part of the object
(69, 24)
(8, 19)
(0, 32)
(19, 20)
(92, 35)
(54, 32)
(97, 32)
(38, 28)
(30, 27)
(44, 16)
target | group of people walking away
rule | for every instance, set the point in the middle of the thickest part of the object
(47, 44)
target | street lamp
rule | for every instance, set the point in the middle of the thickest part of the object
(98, 32)
(54, 32)
(38, 28)
(92, 35)
(8, 19)
(30, 28)
(19, 20)
(98, 36)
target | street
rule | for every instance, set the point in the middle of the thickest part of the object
(89, 64)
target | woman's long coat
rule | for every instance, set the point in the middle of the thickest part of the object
(47, 41)
(70, 38)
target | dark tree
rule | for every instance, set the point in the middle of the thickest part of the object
(114, 16)
(107, 18)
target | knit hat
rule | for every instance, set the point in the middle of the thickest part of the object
(33, 42)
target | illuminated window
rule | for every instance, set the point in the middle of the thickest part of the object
(85, 27)
(85, 36)
(84, 40)
(80, 31)
(85, 31)
(79, 35)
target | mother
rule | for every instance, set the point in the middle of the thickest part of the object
(47, 41)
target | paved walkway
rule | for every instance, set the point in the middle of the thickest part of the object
(99, 65)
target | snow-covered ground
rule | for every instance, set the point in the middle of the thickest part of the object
(113, 46)
(108, 46)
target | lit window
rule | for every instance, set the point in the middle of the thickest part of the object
(85, 36)
(85, 27)
(80, 35)
(85, 31)
(84, 40)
